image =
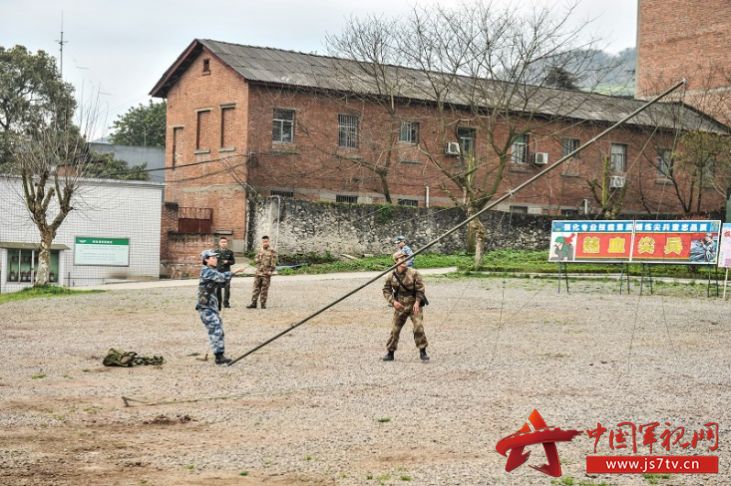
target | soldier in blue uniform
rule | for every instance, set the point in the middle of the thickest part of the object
(207, 306)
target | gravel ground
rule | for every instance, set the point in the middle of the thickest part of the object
(319, 407)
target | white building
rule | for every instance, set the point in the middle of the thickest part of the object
(112, 233)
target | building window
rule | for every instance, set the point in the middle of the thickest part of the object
(348, 131)
(177, 145)
(227, 121)
(664, 163)
(569, 212)
(22, 265)
(466, 137)
(203, 130)
(569, 145)
(289, 194)
(408, 202)
(343, 198)
(409, 132)
(206, 66)
(519, 149)
(283, 126)
(519, 209)
(618, 158)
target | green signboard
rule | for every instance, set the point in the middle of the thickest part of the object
(101, 251)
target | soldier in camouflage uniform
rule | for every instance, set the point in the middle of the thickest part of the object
(225, 260)
(266, 262)
(404, 290)
(207, 305)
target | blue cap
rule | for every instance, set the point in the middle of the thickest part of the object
(205, 254)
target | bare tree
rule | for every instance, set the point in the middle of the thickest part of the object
(486, 69)
(51, 162)
(697, 162)
(371, 46)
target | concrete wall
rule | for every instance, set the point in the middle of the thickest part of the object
(298, 227)
(119, 209)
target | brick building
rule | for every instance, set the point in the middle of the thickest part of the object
(246, 121)
(677, 39)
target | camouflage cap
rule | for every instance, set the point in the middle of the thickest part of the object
(206, 254)
(399, 238)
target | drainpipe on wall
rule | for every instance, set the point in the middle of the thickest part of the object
(426, 201)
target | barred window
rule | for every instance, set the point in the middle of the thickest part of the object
(409, 132)
(466, 138)
(344, 198)
(519, 149)
(408, 202)
(568, 145)
(283, 126)
(664, 163)
(348, 131)
(289, 194)
(618, 157)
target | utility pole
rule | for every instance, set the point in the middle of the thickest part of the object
(60, 43)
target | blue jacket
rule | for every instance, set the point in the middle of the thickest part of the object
(210, 280)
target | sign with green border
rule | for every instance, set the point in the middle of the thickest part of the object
(101, 251)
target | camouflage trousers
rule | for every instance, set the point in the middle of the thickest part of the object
(214, 325)
(398, 321)
(261, 288)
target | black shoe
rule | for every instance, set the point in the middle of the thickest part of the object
(422, 355)
(251, 306)
(227, 305)
(263, 305)
(221, 359)
(389, 356)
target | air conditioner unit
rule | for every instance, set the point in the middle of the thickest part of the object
(452, 148)
(616, 181)
(540, 158)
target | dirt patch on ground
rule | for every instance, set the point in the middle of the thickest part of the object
(319, 407)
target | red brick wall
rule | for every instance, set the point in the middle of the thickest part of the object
(679, 39)
(309, 166)
(218, 184)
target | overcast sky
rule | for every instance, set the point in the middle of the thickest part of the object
(121, 48)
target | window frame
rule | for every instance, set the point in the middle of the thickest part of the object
(348, 130)
(612, 154)
(567, 148)
(664, 166)
(280, 123)
(346, 198)
(409, 132)
(519, 146)
(283, 194)
(518, 209)
(465, 134)
(408, 202)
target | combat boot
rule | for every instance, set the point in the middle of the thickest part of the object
(263, 305)
(221, 359)
(389, 356)
(422, 355)
(252, 305)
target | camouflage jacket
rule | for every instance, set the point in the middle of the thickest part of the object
(410, 287)
(225, 259)
(266, 262)
(210, 280)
